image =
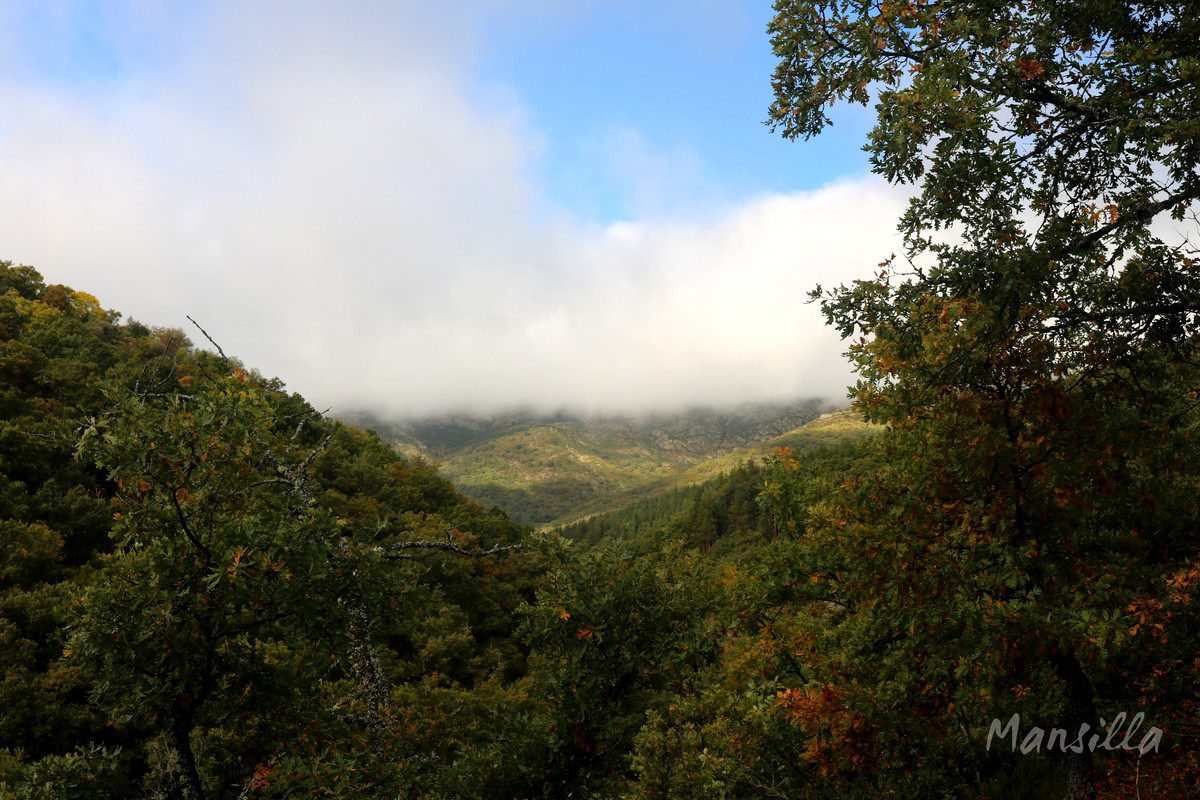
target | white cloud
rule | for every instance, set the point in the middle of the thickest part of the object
(339, 203)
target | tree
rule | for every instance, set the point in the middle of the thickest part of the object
(614, 638)
(1079, 121)
(1083, 114)
(1025, 541)
(210, 610)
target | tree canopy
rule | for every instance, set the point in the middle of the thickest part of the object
(1058, 142)
(1028, 540)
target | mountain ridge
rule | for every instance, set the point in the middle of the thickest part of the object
(544, 469)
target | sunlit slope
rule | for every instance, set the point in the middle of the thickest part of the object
(827, 430)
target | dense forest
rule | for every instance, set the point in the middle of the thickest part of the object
(209, 591)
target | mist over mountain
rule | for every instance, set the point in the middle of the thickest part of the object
(696, 432)
(541, 467)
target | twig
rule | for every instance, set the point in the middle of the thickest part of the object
(224, 357)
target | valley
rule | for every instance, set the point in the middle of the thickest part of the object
(551, 470)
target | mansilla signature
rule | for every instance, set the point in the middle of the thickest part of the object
(1033, 739)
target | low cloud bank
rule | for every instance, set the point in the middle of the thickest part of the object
(341, 205)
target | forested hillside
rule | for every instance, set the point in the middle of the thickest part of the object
(207, 588)
(546, 469)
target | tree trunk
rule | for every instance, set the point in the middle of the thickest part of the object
(1081, 709)
(181, 739)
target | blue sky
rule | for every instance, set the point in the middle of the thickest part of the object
(687, 83)
(412, 209)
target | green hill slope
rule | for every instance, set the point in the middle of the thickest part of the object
(827, 430)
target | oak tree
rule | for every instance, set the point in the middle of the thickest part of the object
(1031, 536)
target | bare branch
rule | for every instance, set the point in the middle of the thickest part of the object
(210, 340)
(393, 552)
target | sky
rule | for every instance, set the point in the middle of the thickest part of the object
(413, 208)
